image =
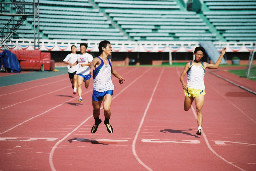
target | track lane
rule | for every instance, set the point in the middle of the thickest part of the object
(168, 133)
(35, 138)
(165, 121)
(113, 151)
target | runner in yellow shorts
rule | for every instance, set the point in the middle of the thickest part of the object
(192, 92)
(195, 88)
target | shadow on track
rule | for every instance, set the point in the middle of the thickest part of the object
(65, 96)
(86, 140)
(179, 132)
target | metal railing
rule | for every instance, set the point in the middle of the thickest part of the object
(17, 11)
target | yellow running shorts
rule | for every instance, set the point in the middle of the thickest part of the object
(191, 92)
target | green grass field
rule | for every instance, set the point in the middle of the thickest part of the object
(243, 73)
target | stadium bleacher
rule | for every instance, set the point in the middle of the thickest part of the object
(161, 17)
(235, 20)
(141, 20)
(74, 20)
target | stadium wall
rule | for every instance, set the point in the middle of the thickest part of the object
(143, 53)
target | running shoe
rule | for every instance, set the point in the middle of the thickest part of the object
(95, 127)
(80, 100)
(74, 92)
(109, 128)
(199, 132)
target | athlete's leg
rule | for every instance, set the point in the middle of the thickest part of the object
(96, 113)
(199, 101)
(71, 79)
(188, 102)
(74, 83)
(86, 83)
(96, 108)
(80, 80)
(107, 113)
(107, 104)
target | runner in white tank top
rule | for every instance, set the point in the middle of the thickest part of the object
(71, 60)
(196, 77)
(103, 87)
(195, 88)
(102, 77)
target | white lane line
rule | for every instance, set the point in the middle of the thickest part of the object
(219, 142)
(141, 123)
(110, 140)
(60, 141)
(207, 142)
(6, 107)
(32, 87)
(171, 141)
(27, 138)
(211, 149)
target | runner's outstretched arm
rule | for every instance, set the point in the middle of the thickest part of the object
(216, 65)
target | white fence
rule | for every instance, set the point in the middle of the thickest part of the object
(119, 46)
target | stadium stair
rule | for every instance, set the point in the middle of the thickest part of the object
(211, 51)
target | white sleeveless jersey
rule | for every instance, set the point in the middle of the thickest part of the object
(102, 77)
(195, 76)
(84, 59)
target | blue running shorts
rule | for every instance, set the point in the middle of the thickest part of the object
(85, 77)
(98, 96)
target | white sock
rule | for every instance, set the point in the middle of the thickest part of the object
(75, 89)
(199, 127)
(80, 97)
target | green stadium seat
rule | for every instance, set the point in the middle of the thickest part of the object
(138, 30)
(159, 38)
(137, 2)
(73, 21)
(232, 7)
(85, 37)
(137, 6)
(79, 33)
(227, 0)
(149, 34)
(177, 15)
(157, 19)
(142, 20)
(65, 3)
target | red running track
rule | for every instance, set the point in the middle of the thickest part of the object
(43, 127)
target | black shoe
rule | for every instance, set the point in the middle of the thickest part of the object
(95, 126)
(199, 132)
(109, 128)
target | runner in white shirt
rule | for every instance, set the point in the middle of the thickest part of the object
(195, 88)
(83, 73)
(103, 86)
(71, 60)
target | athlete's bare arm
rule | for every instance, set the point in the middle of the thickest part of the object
(184, 85)
(86, 64)
(70, 64)
(216, 65)
(95, 62)
(117, 75)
